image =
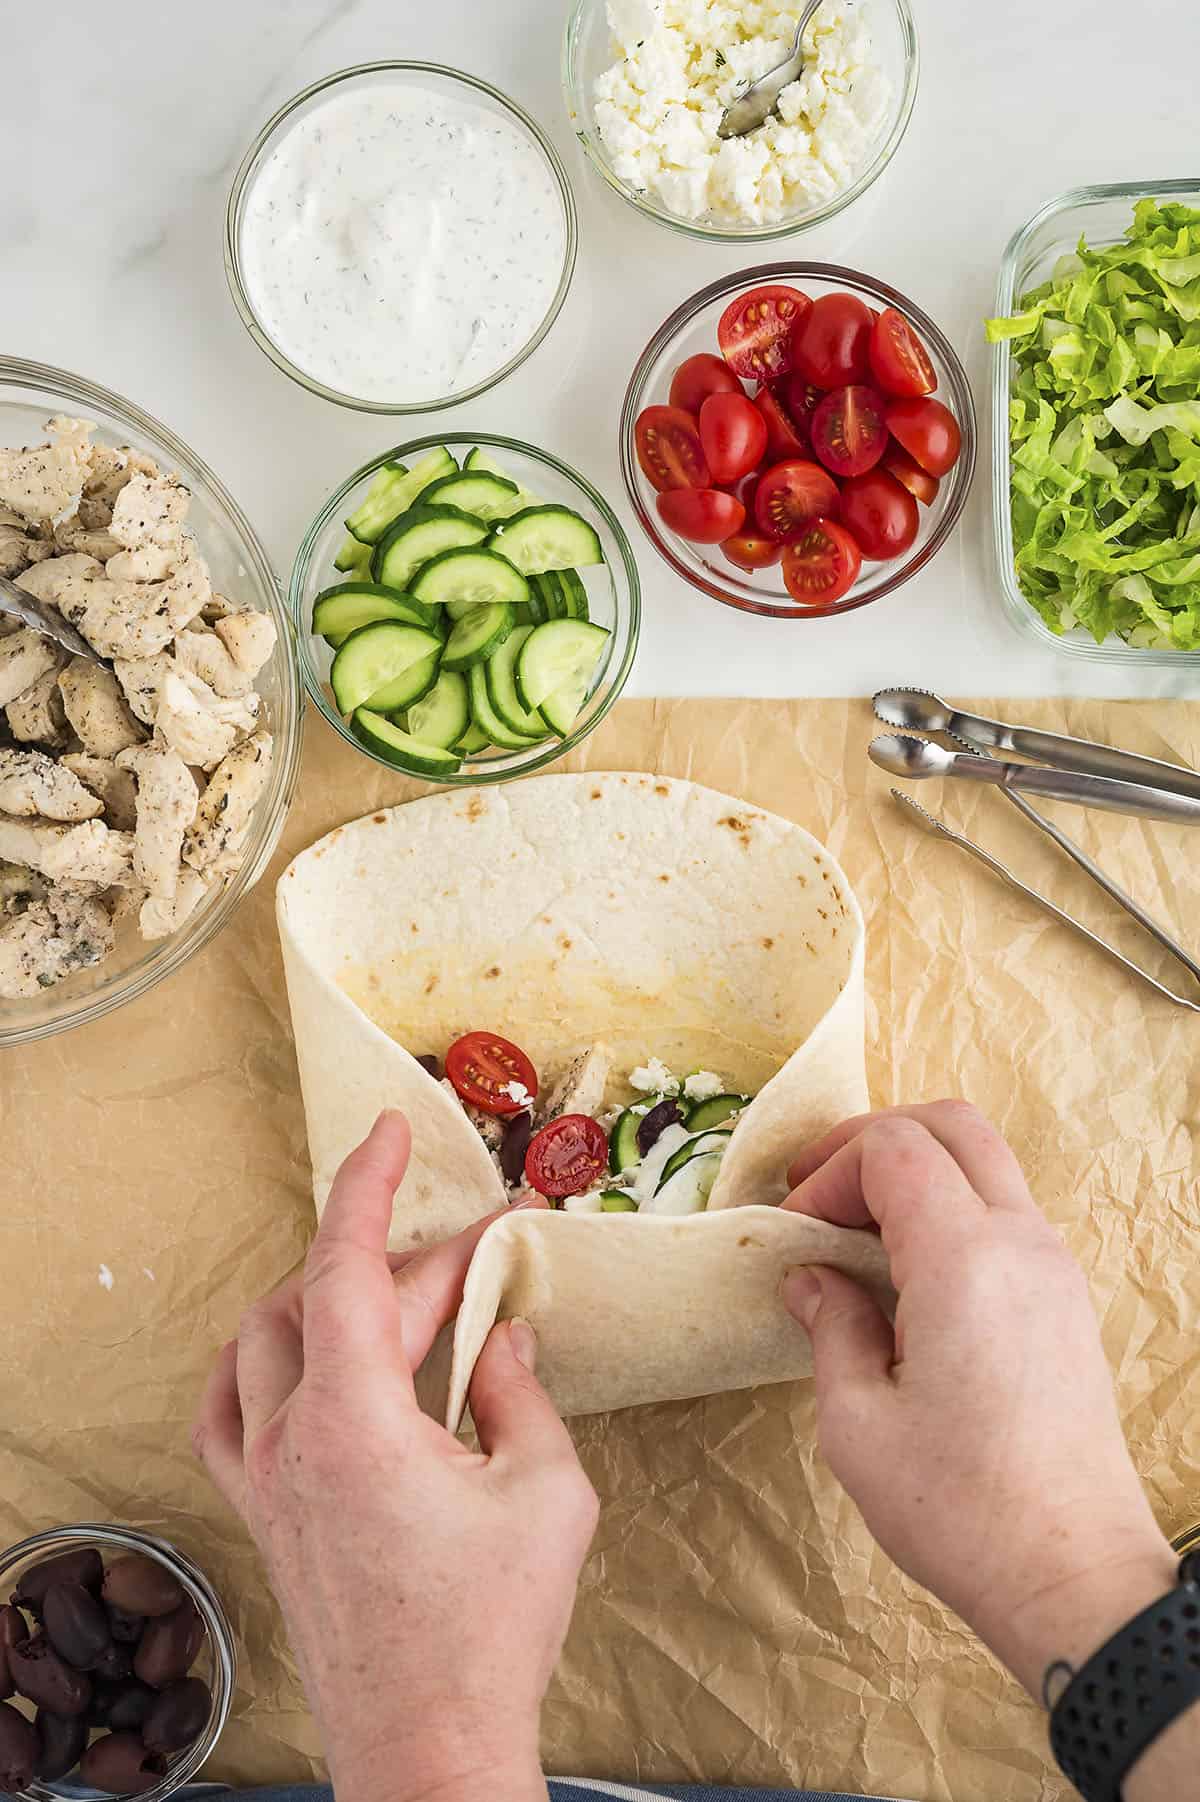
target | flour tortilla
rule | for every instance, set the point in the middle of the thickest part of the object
(654, 916)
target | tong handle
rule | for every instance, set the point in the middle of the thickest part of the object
(1079, 754)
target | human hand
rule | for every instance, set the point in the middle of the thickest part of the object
(427, 1588)
(980, 1437)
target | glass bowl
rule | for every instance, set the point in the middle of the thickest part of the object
(29, 394)
(588, 50)
(614, 593)
(216, 1662)
(692, 328)
(1101, 215)
(458, 85)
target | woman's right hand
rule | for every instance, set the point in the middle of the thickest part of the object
(980, 1436)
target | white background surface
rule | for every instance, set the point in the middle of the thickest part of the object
(122, 127)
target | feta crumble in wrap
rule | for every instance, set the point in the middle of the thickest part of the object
(651, 915)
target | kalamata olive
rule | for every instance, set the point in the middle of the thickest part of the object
(13, 1632)
(140, 1586)
(120, 1764)
(46, 1679)
(61, 1741)
(121, 1706)
(169, 1647)
(125, 1628)
(431, 1064)
(83, 1567)
(115, 1663)
(178, 1717)
(653, 1125)
(18, 1750)
(518, 1129)
(76, 1625)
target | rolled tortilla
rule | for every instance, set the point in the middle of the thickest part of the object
(657, 917)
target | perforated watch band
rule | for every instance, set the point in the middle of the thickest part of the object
(1122, 1699)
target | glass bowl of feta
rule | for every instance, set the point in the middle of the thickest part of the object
(63, 961)
(691, 334)
(647, 81)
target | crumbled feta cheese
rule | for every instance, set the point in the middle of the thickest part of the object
(516, 1091)
(702, 1085)
(653, 1078)
(583, 1204)
(680, 64)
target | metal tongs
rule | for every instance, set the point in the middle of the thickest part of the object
(1157, 790)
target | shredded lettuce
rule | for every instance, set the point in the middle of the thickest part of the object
(1105, 423)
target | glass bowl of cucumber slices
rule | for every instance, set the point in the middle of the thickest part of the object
(467, 608)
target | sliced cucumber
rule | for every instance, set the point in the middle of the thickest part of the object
(550, 596)
(574, 593)
(388, 741)
(406, 690)
(372, 658)
(474, 738)
(477, 634)
(354, 559)
(700, 1146)
(476, 491)
(500, 674)
(688, 1190)
(393, 491)
(615, 1201)
(443, 715)
(487, 719)
(624, 1152)
(417, 537)
(544, 538)
(704, 1115)
(342, 610)
(475, 576)
(479, 459)
(556, 666)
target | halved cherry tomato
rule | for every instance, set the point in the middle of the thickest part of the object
(801, 398)
(749, 548)
(755, 332)
(831, 343)
(669, 451)
(881, 514)
(899, 361)
(920, 484)
(699, 377)
(733, 436)
(703, 515)
(789, 495)
(848, 431)
(482, 1066)
(822, 565)
(928, 431)
(567, 1157)
(783, 440)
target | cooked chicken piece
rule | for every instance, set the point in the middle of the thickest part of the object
(227, 805)
(18, 550)
(115, 787)
(141, 680)
(85, 853)
(68, 931)
(96, 709)
(108, 473)
(580, 1088)
(203, 731)
(158, 918)
(216, 607)
(38, 717)
(25, 657)
(18, 887)
(9, 518)
(78, 534)
(59, 576)
(150, 510)
(249, 638)
(148, 563)
(35, 787)
(166, 807)
(41, 482)
(202, 653)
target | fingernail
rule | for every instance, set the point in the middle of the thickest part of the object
(523, 1340)
(802, 1296)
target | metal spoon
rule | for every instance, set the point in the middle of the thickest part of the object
(16, 604)
(913, 758)
(755, 106)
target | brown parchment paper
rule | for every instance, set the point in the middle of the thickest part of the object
(734, 1622)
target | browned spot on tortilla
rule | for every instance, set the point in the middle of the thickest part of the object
(664, 877)
(373, 981)
(379, 819)
(810, 948)
(818, 859)
(414, 927)
(768, 944)
(747, 1239)
(822, 913)
(492, 973)
(474, 807)
(803, 881)
(833, 932)
(431, 983)
(660, 788)
(564, 941)
(621, 836)
(737, 825)
(597, 794)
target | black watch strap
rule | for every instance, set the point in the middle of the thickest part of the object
(1122, 1699)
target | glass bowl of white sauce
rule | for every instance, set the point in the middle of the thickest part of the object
(400, 237)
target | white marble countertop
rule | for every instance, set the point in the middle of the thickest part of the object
(124, 126)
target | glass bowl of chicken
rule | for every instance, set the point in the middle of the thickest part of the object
(143, 787)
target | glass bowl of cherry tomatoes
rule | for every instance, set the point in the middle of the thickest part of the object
(798, 440)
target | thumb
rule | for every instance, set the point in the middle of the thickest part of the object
(513, 1415)
(852, 1341)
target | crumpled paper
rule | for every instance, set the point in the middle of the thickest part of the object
(735, 1621)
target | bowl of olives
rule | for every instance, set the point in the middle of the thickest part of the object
(116, 1665)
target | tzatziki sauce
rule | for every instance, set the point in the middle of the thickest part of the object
(401, 245)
